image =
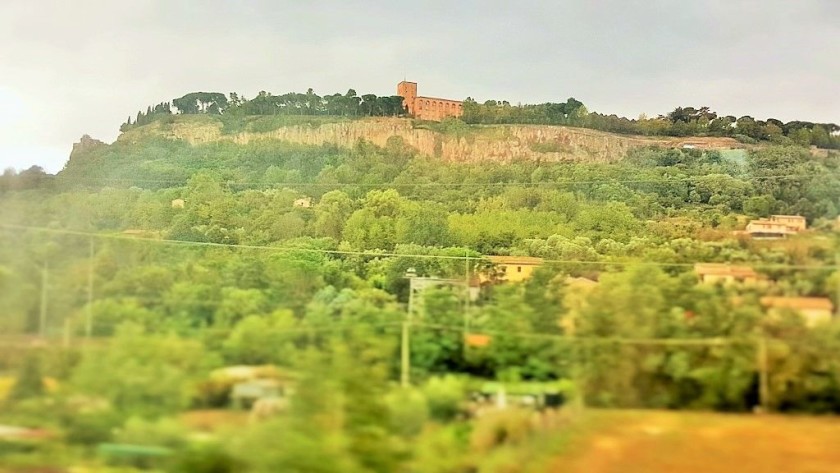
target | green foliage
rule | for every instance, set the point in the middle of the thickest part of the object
(142, 374)
(29, 382)
(258, 340)
(204, 457)
(682, 121)
(164, 432)
(445, 395)
(408, 412)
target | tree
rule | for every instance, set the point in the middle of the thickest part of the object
(331, 213)
(213, 103)
(141, 374)
(29, 382)
(260, 340)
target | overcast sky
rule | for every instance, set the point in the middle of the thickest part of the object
(73, 67)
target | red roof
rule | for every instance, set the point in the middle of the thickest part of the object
(722, 269)
(523, 260)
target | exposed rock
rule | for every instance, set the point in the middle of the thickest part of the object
(501, 143)
(85, 143)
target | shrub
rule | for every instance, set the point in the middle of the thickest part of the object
(444, 396)
(501, 427)
(160, 433)
(90, 428)
(408, 411)
(30, 382)
(203, 458)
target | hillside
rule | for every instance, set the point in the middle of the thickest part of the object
(451, 142)
(199, 242)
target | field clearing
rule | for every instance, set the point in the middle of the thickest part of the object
(661, 441)
(213, 420)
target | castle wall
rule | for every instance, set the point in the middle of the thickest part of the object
(427, 108)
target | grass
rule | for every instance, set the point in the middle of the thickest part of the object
(659, 441)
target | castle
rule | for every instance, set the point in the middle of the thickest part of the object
(427, 108)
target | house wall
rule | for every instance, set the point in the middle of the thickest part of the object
(714, 278)
(796, 222)
(726, 278)
(815, 316)
(516, 272)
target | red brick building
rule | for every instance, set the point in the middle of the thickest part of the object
(427, 108)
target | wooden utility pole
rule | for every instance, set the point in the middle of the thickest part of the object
(763, 375)
(837, 288)
(89, 318)
(405, 355)
(416, 286)
(468, 294)
(42, 321)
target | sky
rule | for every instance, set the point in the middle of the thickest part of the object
(69, 68)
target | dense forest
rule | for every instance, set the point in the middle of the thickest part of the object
(158, 261)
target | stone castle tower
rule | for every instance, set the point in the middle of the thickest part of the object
(427, 108)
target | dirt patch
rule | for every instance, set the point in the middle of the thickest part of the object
(655, 441)
(211, 420)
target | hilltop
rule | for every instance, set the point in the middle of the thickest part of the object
(173, 146)
(449, 140)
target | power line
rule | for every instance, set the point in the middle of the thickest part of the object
(375, 254)
(708, 341)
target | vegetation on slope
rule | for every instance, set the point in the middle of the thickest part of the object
(241, 275)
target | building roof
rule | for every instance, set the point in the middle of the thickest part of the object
(770, 226)
(797, 217)
(724, 269)
(798, 303)
(768, 223)
(438, 99)
(522, 260)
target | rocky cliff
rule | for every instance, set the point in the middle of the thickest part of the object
(501, 143)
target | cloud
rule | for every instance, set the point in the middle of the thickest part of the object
(83, 67)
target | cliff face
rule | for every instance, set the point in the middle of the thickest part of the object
(501, 143)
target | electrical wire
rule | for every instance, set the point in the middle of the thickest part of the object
(385, 254)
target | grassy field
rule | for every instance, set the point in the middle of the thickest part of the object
(657, 441)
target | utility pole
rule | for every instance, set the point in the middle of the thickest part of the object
(89, 318)
(763, 375)
(405, 355)
(416, 286)
(42, 322)
(467, 289)
(837, 273)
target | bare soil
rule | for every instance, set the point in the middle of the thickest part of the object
(657, 441)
